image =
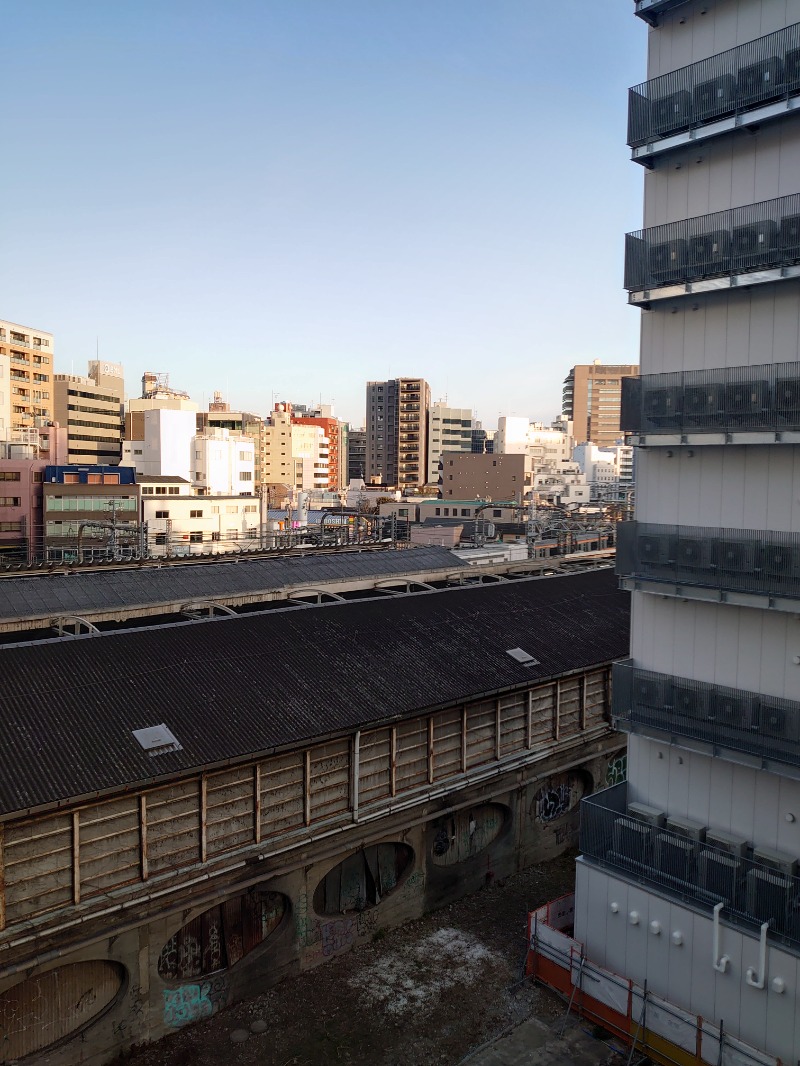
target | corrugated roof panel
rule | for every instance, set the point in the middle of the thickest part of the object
(231, 687)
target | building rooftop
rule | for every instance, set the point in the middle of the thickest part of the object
(231, 688)
(161, 479)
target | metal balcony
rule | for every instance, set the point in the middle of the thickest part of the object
(762, 731)
(728, 405)
(693, 865)
(744, 86)
(750, 245)
(649, 10)
(746, 567)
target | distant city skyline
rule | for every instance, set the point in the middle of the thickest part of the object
(294, 198)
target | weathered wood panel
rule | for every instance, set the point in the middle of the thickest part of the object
(282, 800)
(569, 714)
(173, 826)
(543, 702)
(230, 800)
(513, 723)
(108, 845)
(412, 754)
(330, 779)
(596, 704)
(446, 744)
(374, 766)
(38, 866)
(481, 732)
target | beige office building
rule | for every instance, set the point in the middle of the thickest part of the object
(91, 408)
(591, 400)
(30, 373)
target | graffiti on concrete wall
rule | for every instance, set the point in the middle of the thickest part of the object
(306, 925)
(192, 1003)
(617, 771)
(466, 833)
(557, 797)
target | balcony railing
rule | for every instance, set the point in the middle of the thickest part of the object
(728, 719)
(693, 868)
(757, 237)
(728, 560)
(725, 84)
(764, 398)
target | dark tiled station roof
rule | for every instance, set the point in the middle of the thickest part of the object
(238, 686)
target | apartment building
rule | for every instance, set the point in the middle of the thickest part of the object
(92, 410)
(5, 395)
(687, 894)
(357, 455)
(327, 444)
(591, 400)
(220, 416)
(24, 454)
(224, 463)
(449, 430)
(30, 373)
(397, 432)
(543, 444)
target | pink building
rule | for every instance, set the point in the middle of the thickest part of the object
(22, 461)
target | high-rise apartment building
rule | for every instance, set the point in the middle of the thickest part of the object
(687, 885)
(330, 441)
(591, 401)
(397, 432)
(5, 395)
(30, 374)
(91, 408)
(449, 430)
(357, 455)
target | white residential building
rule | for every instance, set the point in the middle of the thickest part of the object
(544, 445)
(608, 470)
(561, 484)
(178, 522)
(687, 885)
(5, 396)
(224, 463)
(449, 430)
(310, 450)
(167, 444)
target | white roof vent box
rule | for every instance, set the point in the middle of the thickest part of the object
(523, 657)
(157, 740)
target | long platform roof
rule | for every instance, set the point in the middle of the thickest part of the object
(234, 687)
(27, 597)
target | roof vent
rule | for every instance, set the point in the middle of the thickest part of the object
(522, 657)
(157, 740)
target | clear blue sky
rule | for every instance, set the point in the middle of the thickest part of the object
(291, 197)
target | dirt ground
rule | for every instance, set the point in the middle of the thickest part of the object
(423, 994)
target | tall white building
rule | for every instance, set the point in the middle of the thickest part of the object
(545, 445)
(224, 463)
(167, 444)
(449, 430)
(687, 884)
(609, 471)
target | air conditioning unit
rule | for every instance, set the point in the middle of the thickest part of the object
(651, 691)
(760, 81)
(663, 406)
(753, 244)
(779, 861)
(686, 827)
(714, 97)
(789, 237)
(734, 556)
(671, 112)
(780, 562)
(674, 855)
(719, 874)
(668, 260)
(631, 839)
(787, 399)
(746, 398)
(733, 710)
(768, 897)
(773, 718)
(653, 550)
(703, 403)
(690, 701)
(689, 553)
(642, 813)
(709, 252)
(791, 70)
(728, 842)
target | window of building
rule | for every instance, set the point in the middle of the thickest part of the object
(137, 451)
(161, 490)
(465, 512)
(147, 492)
(161, 538)
(38, 477)
(9, 475)
(94, 479)
(162, 514)
(198, 455)
(10, 501)
(245, 475)
(244, 456)
(196, 537)
(438, 510)
(10, 527)
(198, 475)
(174, 490)
(215, 510)
(71, 479)
(231, 508)
(111, 479)
(215, 536)
(195, 514)
(497, 513)
(250, 508)
(233, 534)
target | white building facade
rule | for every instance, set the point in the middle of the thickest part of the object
(687, 884)
(609, 471)
(224, 463)
(518, 436)
(167, 447)
(449, 430)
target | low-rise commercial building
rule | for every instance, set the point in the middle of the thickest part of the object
(91, 512)
(496, 476)
(178, 523)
